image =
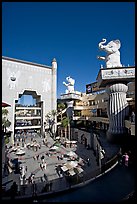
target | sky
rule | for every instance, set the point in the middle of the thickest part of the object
(69, 31)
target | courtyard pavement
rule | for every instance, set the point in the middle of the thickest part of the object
(33, 165)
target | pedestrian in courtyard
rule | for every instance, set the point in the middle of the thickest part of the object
(26, 168)
(88, 162)
(34, 189)
(45, 177)
(24, 179)
(41, 166)
(133, 117)
(32, 178)
(37, 156)
(126, 159)
(57, 170)
(120, 159)
(58, 157)
(45, 166)
(42, 158)
(50, 186)
(14, 190)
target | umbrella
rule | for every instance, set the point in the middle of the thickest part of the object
(72, 173)
(71, 154)
(5, 104)
(73, 163)
(20, 152)
(68, 165)
(57, 138)
(54, 148)
(78, 170)
(73, 142)
(64, 168)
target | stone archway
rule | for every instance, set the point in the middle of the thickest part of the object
(28, 113)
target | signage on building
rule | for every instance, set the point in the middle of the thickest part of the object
(118, 73)
(88, 89)
(94, 110)
(93, 87)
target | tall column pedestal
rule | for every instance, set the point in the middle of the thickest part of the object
(117, 111)
(69, 114)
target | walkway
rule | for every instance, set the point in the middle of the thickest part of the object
(33, 166)
(111, 187)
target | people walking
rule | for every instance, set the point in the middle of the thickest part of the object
(41, 166)
(88, 161)
(120, 160)
(126, 158)
(50, 186)
(45, 166)
(42, 158)
(45, 177)
(14, 190)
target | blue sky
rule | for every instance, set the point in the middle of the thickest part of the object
(70, 32)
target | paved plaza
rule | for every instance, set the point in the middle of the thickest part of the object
(33, 164)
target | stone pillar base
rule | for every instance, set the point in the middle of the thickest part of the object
(117, 110)
(116, 138)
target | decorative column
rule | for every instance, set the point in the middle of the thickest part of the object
(69, 114)
(117, 109)
(54, 90)
(114, 76)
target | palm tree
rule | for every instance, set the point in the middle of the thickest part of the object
(65, 123)
(5, 122)
(50, 120)
(61, 107)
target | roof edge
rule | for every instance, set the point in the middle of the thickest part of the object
(25, 62)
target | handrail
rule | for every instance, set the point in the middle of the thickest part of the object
(66, 183)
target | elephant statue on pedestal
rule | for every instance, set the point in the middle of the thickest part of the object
(112, 58)
(70, 84)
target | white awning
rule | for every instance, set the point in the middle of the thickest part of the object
(73, 163)
(64, 168)
(54, 147)
(73, 142)
(79, 169)
(20, 152)
(72, 173)
(68, 142)
(72, 154)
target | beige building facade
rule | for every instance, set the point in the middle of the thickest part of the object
(21, 77)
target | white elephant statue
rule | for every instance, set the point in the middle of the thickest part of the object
(113, 55)
(70, 84)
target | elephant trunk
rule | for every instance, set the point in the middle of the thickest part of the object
(101, 46)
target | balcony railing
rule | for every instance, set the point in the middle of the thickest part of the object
(28, 117)
(28, 127)
(131, 126)
(71, 96)
(90, 118)
(28, 107)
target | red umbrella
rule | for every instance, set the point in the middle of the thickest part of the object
(5, 104)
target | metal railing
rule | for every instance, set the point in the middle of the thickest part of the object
(62, 183)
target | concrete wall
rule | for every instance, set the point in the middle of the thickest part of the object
(79, 133)
(18, 76)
